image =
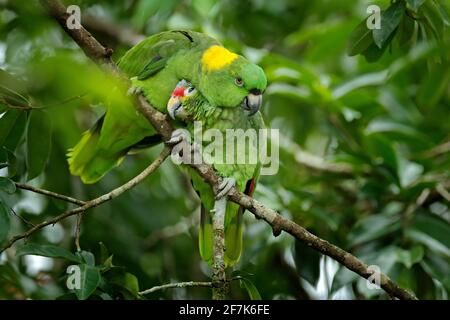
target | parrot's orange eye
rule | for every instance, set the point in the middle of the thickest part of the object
(239, 82)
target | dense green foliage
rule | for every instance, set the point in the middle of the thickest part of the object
(365, 132)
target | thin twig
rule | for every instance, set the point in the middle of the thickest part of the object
(95, 202)
(113, 30)
(279, 223)
(22, 218)
(440, 188)
(78, 231)
(50, 194)
(177, 285)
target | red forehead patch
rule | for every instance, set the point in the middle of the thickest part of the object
(178, 92)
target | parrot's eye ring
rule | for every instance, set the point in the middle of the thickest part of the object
(239, 82)
(190, 91)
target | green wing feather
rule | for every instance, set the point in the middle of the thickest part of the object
(106, 144)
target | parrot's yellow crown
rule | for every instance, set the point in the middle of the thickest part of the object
(217, 57)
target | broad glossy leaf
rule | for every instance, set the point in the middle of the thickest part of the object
(7, 122)
(411, 256)
(390, 19)
(408, 172)
(87, 257)
(251, 289)
(307, 262)
(438, 268)
(12, 90)
(373, 227)
(38, 142)
(5, 222)
(47, 250)
(12, 163)
(373, 53)
(360, 39)
(125, 282)
(432, 232)
(379, 147)
(90, 279)
(7, 185)
(17, 132)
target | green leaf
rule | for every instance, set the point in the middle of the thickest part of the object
(12, 90)
(415, 4)
(90, 279)
(433, 19)
(12, 163)
(408, 172)
(411, 256)
(16, 132)
(406, 30)
(7, 185)
(45, 250)
(434, 86)
(87, 257)
(123, 281)
(373, 227)
(360, 39)
(5, 222)
(38, 143)
(7, 122)
(373, 53)
(432, 232)
(252, 291)
(379, 147)
(104, 253)
(438, 268)
(307, 262)
(390, 19)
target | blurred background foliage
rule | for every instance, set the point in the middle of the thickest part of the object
(365, 139)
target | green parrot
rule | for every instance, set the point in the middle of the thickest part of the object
(188, 105)
(155, 66)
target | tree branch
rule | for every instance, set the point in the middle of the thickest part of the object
(95, 202)
(50, 194)
(219, 276)
(112, 30)
(278, 222)
(177, 285)
(91, 47)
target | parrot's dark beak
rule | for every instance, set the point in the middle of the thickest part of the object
(252, 102)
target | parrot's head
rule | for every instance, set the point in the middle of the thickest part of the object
(178, 100)
(230, 80)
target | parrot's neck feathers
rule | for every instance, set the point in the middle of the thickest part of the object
(217, 57)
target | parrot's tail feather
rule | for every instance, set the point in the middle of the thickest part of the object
(233, 238)
(233, 235)
(206, 237)
(88, 161)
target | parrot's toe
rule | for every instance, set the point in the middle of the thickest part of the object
(134, 91)
(224, 187)
(178, 136)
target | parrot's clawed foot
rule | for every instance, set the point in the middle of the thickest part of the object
(179, 136)
(181, 146)
(225, 187)
(134, 91)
